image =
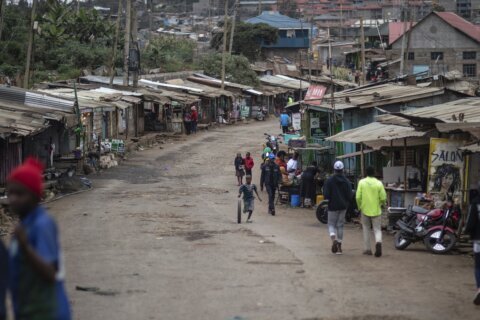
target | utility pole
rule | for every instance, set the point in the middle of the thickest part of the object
(404, 40)
(150, 19)
(134, 34)
(362, 42)
(26, 80)
(233, 26)
(115, 42)
(259, 7)
(3, 5)
(126, 47)
(224, 48)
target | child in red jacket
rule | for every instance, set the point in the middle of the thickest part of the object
(248, 164)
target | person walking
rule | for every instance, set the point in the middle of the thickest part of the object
(309, 185)
(248, 197)
(284, 121)
(239, 168)
(194, 119)
(187, 121)
(338, 191)
(370, 197)
(271, 176)
(3, 279)
(36, 269)
(473, 229)
(249, 164)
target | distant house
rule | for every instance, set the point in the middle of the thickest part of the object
(293, 34)
(439, 43)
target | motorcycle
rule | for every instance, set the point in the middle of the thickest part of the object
(261, 114)
(322, 211)
(273, 142)
(436, 228)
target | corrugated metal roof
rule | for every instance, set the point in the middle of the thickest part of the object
(279, 21)
(381, 95)
(285, 82)
(375, 131)
(34, 99)
(461, 24)
(451, 112)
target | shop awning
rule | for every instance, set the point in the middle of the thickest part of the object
(376, 131)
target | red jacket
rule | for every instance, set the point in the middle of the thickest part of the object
(194, 115)
(249, 163)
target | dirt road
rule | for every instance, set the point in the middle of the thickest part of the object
(157, 238)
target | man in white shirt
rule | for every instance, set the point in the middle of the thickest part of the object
(292, 165)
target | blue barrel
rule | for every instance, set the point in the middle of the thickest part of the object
(295, 200)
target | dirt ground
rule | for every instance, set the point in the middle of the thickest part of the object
(157, 239)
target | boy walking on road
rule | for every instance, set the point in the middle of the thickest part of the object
(338, 192)
(248, 198)
(36, 268)
(473, 229)
(271, 176)
(284, 122)
(370, 197)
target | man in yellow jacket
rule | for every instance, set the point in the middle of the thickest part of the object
(370, 197)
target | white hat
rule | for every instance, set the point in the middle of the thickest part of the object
(338, 165)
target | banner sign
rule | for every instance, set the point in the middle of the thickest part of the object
(315, 95)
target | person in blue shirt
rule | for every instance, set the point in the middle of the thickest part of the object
(35, 264)
(3, 279)
(284, 122)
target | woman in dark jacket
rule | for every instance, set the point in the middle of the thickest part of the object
(309, 186)
(473, 229)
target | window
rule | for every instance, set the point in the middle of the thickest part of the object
(436, 55)
(411, 56)
(470, 70)
(469, 55)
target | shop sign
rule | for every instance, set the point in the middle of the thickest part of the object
(297, 121)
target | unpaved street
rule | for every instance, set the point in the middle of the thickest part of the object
(157, 237)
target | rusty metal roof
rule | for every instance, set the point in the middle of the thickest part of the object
(380, 95)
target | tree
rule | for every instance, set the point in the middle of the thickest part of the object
(248, 39)
(169, 53)
(288, 8)
(237, 69)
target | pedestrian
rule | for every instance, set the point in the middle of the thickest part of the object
(370, 197)
(284, 121)
(473, 229)
(3, 279)
(248, 198)
(271, 177)
(267, 150)
(249, 164)
(36, 267)
(338, 191)
(280, 160)
(292, 165)
(239, 168)
(194, 119)
(187, 121)
(309, 187)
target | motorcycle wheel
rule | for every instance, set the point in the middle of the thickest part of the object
(400, 242)
(322, 214)
(439, 247)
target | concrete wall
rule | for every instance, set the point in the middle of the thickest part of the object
(435, 35)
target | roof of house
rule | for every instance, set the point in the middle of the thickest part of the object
(458, 23)
(381, 95)
(279, 21)
(396, 30)
(286, 82)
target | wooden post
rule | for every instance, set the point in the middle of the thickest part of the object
(3, 4)
(126, 46)
(224, 48)
(362, 42)
(134, 35)
(362, 161)
(404, 39)
(232, 32)
(115, 42)
(405, 182)
(26, 80)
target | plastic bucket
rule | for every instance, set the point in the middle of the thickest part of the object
(295, 200)
(320, 198)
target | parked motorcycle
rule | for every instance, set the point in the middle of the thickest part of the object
(436, 228)
(262, 114)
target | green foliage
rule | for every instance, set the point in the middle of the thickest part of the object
(247, 39)
(237, 69)
(170, 54)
